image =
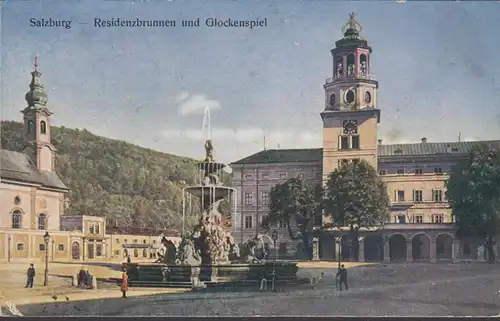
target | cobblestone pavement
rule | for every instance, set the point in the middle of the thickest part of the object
(392, 290)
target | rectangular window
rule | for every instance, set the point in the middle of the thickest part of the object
(248, 198)
(438, 170)
(98, 249)
(355, 142)
(97, 229)
(91, 229)
(248, 176)
(400, 196)
(135, 241)
(355, 161)
(419, 218)
(418, 171)
(401, 219)
(437, 218)
(144, 241)
(262, 219)
(41, 247)
(437, 195)
(117, 240)
(265, 176)
(117, 252)
(248, 222)
(382, 172)
(344, 162)
(282, 175)
(125, 241)
(417, 196)
(344, 142)
(282, 224)
(60, 247)
(400, 171)
(20, 246)
(265, 198)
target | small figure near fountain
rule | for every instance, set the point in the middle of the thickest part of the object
(167, 252)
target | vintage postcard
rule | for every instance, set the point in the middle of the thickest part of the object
(249, 158)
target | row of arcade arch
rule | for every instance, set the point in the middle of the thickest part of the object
(418, 247)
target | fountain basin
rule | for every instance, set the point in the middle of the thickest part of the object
(209, 192)
(150, 274)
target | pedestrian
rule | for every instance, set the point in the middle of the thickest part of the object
(31, 276)
(124, 286)
(81, 278)
(342, 276)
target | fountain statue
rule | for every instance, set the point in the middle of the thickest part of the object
(209, 253)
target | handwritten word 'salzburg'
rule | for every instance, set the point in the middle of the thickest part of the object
(50, 23)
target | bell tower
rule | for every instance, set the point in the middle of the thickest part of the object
(351, 115)
(38, 144)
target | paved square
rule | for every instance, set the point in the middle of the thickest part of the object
(392, 290)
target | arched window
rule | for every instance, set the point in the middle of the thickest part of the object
(136, 253)
(362, 65)
(350, 65)
(42, 221)
(144, 253)
(31, 127)
(17, 219)
(43, 127)
(338, 66)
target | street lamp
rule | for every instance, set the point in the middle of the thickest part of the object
(338, 241)
(46, 239)
(275, 236)
(8, 249)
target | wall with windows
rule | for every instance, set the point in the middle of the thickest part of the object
(417, 190)
(253, 184)
(28, 207)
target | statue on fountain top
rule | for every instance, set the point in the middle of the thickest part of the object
(209, 151)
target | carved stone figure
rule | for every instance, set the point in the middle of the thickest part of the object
(209, 151)
(363, 68)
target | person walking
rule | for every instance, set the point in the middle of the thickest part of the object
(342, 276)
(31, 276)
(124, 287)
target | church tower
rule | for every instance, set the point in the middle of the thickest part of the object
(37, 125)
(350, 116)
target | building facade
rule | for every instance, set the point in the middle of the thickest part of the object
(33, 200)
(420, 225)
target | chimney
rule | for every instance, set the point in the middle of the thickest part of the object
(380, 142)
(424, 140)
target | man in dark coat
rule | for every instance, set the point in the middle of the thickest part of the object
(31, 276)
(342, 275)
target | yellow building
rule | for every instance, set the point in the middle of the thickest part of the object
(33, 199)
(420, 226)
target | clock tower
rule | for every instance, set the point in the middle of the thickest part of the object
(351, 115)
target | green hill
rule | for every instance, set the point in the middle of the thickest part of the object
(128, 184)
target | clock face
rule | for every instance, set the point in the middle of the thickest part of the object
(368, 97)
(332, 99)
(349, 96)
(350, 127)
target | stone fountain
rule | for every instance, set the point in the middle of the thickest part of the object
(208, 254)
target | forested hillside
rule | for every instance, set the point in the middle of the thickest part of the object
(130, 185)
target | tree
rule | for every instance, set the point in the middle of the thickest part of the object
(295, 201)
(356, 197)
(473, 191)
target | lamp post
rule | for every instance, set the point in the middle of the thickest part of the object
(8, 248)
(275, 236)
(46, 238)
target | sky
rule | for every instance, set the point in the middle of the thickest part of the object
(436, 63)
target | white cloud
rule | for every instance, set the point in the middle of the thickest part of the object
(194, 104)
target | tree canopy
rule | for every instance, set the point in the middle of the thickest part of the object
(296, 203)
(356, 197)
(473, 191)
(128, 184)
